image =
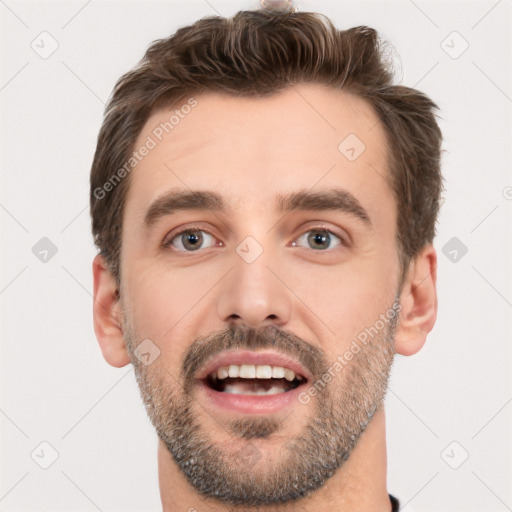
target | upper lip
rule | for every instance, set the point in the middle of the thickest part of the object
(260, 357)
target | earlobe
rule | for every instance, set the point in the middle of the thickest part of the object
(107, 315)
(418, 299)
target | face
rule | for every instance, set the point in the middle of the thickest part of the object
(260, 265)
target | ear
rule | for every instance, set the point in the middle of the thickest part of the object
(107, 315)
(419, 303)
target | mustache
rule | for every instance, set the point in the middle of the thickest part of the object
(243, 337)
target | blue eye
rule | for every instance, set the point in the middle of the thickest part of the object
(319, 239)
(193, 239)
(189, 240)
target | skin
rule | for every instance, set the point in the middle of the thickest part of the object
(248, 150)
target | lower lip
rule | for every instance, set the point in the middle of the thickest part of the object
(252, 404)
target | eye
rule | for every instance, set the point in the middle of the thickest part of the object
(319, 239)
(189, 240)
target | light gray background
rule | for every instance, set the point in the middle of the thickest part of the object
(57, 388)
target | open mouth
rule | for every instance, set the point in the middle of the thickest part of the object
(248, 379)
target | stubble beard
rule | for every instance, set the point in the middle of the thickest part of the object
(239, 472)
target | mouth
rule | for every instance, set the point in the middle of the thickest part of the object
(249, 379)
(252, 382)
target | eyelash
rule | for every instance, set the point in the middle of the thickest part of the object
(192, 229)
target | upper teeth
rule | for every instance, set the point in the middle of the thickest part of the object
(251, 371)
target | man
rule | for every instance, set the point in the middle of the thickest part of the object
(264, 200)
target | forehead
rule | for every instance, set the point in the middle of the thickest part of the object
(250, 149)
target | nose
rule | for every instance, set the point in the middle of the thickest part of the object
(254, 294)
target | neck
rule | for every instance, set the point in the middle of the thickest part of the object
(359, 485)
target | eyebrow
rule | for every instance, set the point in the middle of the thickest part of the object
(329, 200)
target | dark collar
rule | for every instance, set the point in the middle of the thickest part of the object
(395, 503)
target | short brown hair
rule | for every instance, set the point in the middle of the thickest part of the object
(255, 53)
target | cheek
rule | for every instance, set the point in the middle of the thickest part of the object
(164, 301)
(349, 297)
